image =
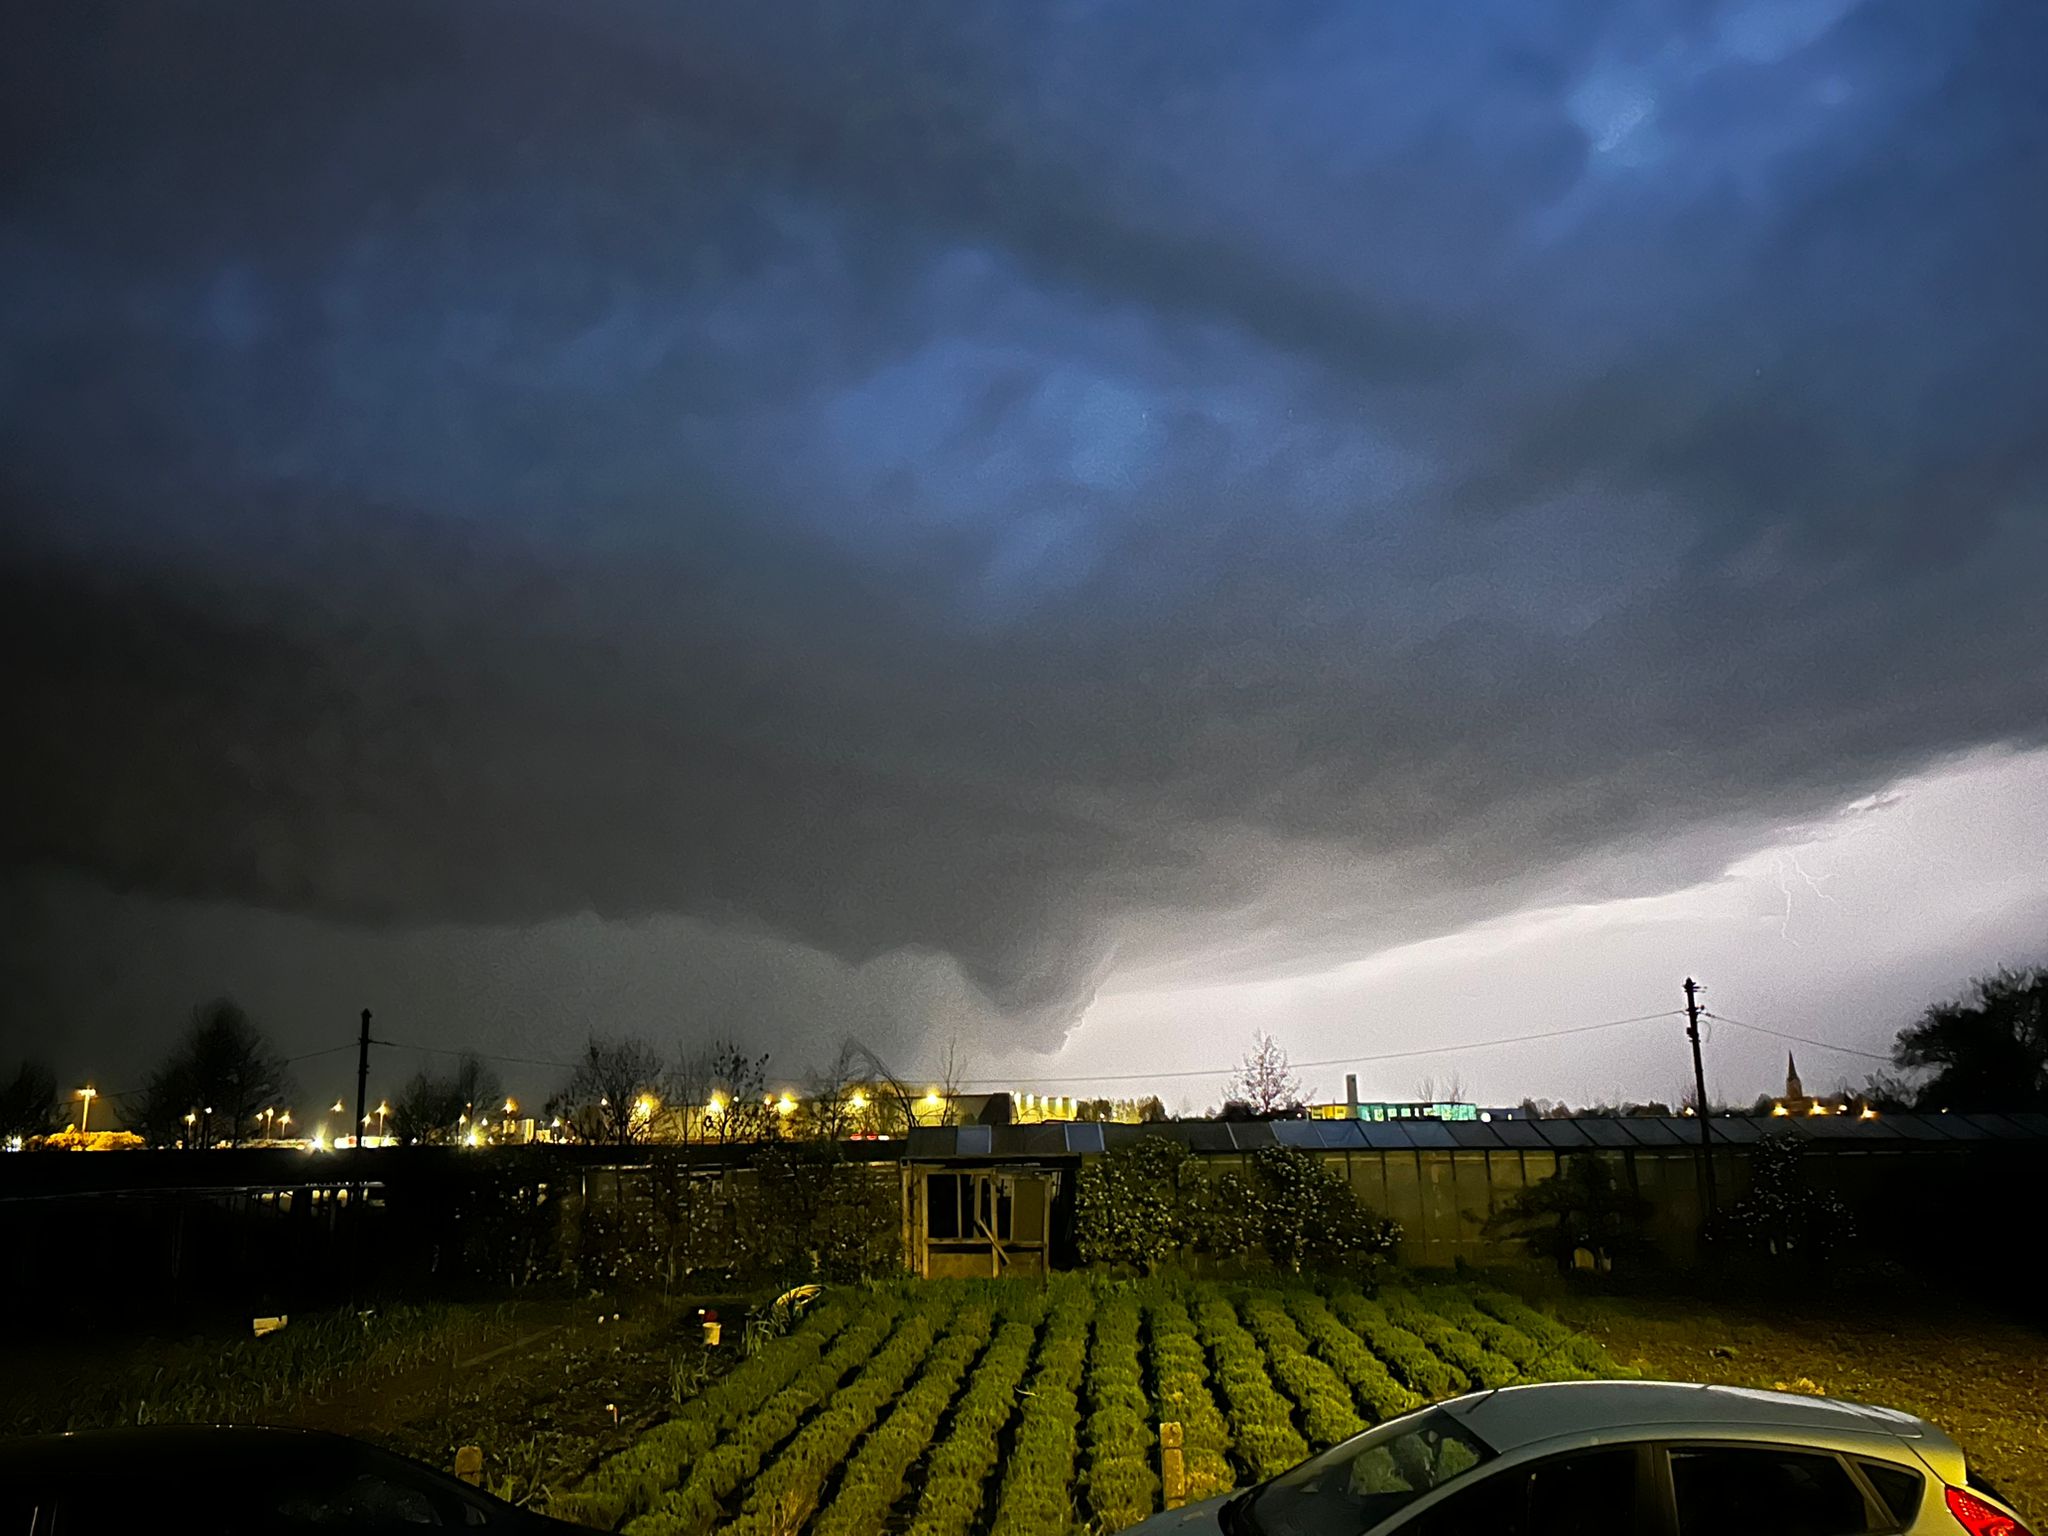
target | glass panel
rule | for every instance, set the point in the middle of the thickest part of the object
(1764, 1491)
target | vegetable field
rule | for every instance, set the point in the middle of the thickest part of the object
(958, 1408)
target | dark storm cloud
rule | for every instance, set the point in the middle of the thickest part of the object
(1043, 488)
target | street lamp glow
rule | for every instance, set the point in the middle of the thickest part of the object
(859, 1100)
(511, 1105)
(785, 1105)
(337, 1108)
(86, 1094)
(715, 1107)
(645, 1107)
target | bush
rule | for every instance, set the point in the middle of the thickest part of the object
(953, 1480)
(1565, 1350)
(1378, 1394)
(1181, 1383)
(1483, 1367)
(1327, 1412)
(1780, 1216)
(1037, 1497)
(874, 1479)
(1122, 1489)
(1259, 1418)
(1309, 1215)
(1406, 1354)
(1578, 1207)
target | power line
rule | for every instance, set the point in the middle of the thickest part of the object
(1144, 1077)
(1825, 1045)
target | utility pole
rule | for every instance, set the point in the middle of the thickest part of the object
(1699, 1077)
(355, 1199)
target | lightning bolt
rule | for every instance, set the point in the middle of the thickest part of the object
(1785, 866)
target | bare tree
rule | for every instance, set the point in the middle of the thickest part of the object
(616, 1091)
(1264, 1083)
(223, 1075)
(28, 1103)
(437, 1109)
(1450, 1091)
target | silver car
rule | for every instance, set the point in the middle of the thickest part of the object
(1621, 1458)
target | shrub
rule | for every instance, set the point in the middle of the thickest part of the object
(953, 1480)
(1038, 1478)
(1378, 1394)
(873, 1481)
(1267, 1441)
(1483, 1367)
(1565, 1350)
(1578, 1207)
(1500, 1337)
(1780, 1216)
(1181, 1384)
(1136, 1205)
(1405, 1353)
(1309, 1215)
(1121, 1486)
(1327, 1411)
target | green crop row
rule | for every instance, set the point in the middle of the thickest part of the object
(696, 1505)
(1496, 1335)
(961, 1464)
(874, 1479)
(1037, 1497)
(1378, 1394)
(783, 1496)
(1266, 1439)
(1181, 1378)
(1561, 1345)
(631, 1481)
(1327, 1411)
(1406, 1355)
(1121, 1485)
(1481, 1366)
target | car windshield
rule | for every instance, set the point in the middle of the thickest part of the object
(1354, 1486)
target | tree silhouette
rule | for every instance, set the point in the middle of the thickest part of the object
(1987, 1050)
(435, 1109)
(615, 1092)
(28, 1104)
(1264, 1083)
(223, 1075)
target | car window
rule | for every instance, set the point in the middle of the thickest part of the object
(363, 1501)
(1367, 1479)
(1764, 1491)
(1590, 1493)
(1897, 1487)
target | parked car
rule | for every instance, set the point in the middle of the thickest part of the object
(237, 1481)
(1621, 1458)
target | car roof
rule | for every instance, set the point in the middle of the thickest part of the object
(1513, 1417)
(191, 1444)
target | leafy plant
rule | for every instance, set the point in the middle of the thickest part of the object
(1581, 1206)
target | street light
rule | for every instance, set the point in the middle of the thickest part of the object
(383, 1109)
(88, 1094)
(337, 1108)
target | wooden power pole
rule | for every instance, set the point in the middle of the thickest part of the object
(1699, 1078)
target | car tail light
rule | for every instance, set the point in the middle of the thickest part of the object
(1981, 1519)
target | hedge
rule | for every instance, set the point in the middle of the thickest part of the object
(953, 1480)
(1267, 1441)
(1561, 1345)
(1484, 1368)
(1180, 1378)
(695, 1506)
(1405, 1353)
(1379, 1395)
(631, 1481)
(1122, 1488)
(874, 1479)
(1037, 1495)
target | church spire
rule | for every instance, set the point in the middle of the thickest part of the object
(1792, 1088)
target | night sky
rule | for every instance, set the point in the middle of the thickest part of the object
(1078, 529)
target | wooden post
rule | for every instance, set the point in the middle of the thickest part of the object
(469, 1465)
(1173, 1472)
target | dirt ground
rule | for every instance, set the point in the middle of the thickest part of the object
(1981, 1378)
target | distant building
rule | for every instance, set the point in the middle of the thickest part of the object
(1797, 1101)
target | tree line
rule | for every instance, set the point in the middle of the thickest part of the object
(1986, 1050)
